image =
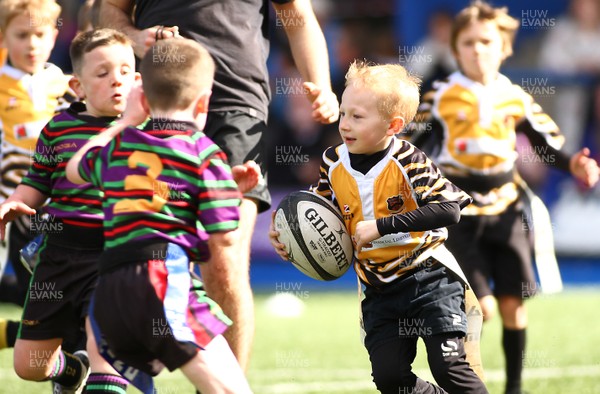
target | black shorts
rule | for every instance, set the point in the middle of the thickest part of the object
(152, 314)
(59, 293)
(428, 302)
(241, 137)
(494, 250)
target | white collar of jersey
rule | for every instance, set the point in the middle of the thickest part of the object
(462, 79)
(15, 73)
(376, 169)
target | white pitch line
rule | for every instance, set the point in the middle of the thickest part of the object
(358, 379)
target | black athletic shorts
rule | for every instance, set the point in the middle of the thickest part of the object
(494, 251)
(241, 137)
(428, 302)
(60, 291)
(152, 313)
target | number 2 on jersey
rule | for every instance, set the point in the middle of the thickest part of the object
(160, 190)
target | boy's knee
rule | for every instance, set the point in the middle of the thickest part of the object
(390, 376)
(394, 381)
(32, 369)
(31, 363)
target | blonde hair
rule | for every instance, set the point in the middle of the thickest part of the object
(45, 11)
(481, 11)
(174, 72)
(396, 90)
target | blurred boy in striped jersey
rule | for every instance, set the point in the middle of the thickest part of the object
(468, 126)
(31, 92)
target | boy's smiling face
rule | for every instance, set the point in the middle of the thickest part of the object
(105, 80)
(362, 127)
(479, 51)
(29, 41)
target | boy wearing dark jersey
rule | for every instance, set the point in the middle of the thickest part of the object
(396, 204)
(66, 270)
(168, 191)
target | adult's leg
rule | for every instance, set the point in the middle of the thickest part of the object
(226, 277)
(227, 281)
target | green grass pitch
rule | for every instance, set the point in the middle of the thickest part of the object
(320, 351)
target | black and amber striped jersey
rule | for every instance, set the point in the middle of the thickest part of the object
(27, 103)
(404, 180)
(469, 130)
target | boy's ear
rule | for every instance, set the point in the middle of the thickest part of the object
(144, 102)
(396, 125)
(202, 102)
(75, 85)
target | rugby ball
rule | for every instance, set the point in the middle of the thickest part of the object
(314, 235)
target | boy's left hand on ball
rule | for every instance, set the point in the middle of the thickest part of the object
(273, 237)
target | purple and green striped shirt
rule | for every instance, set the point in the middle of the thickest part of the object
(61, 138)
(168, 182)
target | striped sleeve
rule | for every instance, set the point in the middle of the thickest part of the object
(425, 131)
(536, 119)
(323, 187)
(219, 197)
(422, 118)
(45, 161)
(543, 134)
(88, 166)
(426, 179)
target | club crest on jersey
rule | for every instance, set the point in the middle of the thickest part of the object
(395, 203)
(12, 104)
(347, 215)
